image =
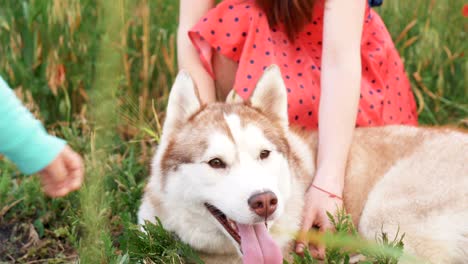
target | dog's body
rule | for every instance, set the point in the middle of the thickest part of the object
(219, 156)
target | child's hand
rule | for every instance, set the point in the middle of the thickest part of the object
(63, 175)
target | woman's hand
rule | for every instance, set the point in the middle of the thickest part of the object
(63, 175)
(341, 56)
(324, 195)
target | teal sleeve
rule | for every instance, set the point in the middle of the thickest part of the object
(23, 139)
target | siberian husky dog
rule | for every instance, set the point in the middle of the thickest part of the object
(229, 179)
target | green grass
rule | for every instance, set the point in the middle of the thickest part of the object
(156, 245)
(64, 57)
(431, 38)
(345, 243)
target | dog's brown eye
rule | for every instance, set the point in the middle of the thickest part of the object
(217, 163)
(264, 154)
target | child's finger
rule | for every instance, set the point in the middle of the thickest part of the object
(75, 183)
(56, 171)
(75, 168)
(73, 160)
(60, 173)
(55, 190)
(75, 180)
(51, 186)
(60, 192)
(77, 177)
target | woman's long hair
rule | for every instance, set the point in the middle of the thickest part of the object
(293, 14)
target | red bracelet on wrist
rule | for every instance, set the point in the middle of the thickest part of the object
(331, 195)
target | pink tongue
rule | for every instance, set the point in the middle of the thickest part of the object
(257, 245)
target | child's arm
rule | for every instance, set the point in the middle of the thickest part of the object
(188, 58)
(22, 138)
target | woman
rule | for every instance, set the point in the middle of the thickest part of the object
(338, 62)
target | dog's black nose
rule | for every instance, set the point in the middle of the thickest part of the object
(263, 204)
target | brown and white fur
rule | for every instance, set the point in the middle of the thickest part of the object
(414, 179)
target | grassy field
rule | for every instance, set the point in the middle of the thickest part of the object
(98, 75)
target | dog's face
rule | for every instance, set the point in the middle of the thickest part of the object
(223, 168)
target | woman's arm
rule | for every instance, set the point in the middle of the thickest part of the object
(340, 87)
(189, 14)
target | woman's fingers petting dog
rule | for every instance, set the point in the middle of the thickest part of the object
(308, 219)
(317, 204)
(317, 250)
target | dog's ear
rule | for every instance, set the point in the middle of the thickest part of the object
(183, 102)
(270, 95)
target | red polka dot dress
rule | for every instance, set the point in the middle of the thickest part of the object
(239, 30)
